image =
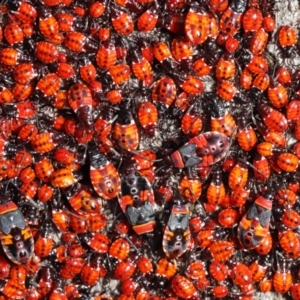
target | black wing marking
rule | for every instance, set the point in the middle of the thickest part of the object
(252, 213)
(188, 155)
(10, 220)
(178, 221)
(264, 217)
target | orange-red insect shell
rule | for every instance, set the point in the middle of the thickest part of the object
(261, 82)
(190, 189)
(259, 42)
(230, 21)
(75, 41)
(195, 270)
(226, 90)
(44, 169)
(24, 73)
(283, 75)
(164, 92)
(182, 48)
(282, 281)
(290, 243)
(221, 250)
(218, 270)
(252, 19)
(183, 287)
(122, 23)
(119, 73)
(246, 79)
(106, 56)
(46, 52)
(290, 218)
(197, 25)
(269, 23)
(148, 117)
(246, 138)
(104, 177)
(288, 162)
(147, 20)
(287, 36)
(13, 34)
(278, 95)
(49, 84)
(201, 67)
(225, 69)
(63, 178)
(119, 249)
(241, 275)
(228, 217)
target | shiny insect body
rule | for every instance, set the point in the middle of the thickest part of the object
(197, 25)
(254, 226)
(203, 150)
(104, 176)
(15, 235)
(125, 132)
(230, 21)
(137, 201)
(177, 233)
(80, 100)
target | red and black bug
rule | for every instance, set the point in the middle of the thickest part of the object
(163, 54)
(176, 236)
(246, 136)
(97, 8)
(148, 19)
(12, 288)
(78, 42)
(23, 73)
(141, 68)
(93, 270)
(273, 118)
(225, 67)
(252, 19)
(197, 24)
(13, 34)
(221, 120)
(204, 150)
(107, 55)
(104, 176)
(87, 70)
(191, 123)
(287, 39)
(216, 190)
(124, 270)
(231, 19)
(80, 100)
(254, 226)
(148, 117)
(44, 242)
(23, 11)
(119, 249)
(190, 187)
(125, 132)
(282, 279)
(15, 235)
(190, 84)
(164, 93)
(82, 200)
(183, 287)
(137, 200)
(259, 42)
(121, 21)
(46, 52)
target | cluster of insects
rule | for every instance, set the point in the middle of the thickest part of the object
(149, 150)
